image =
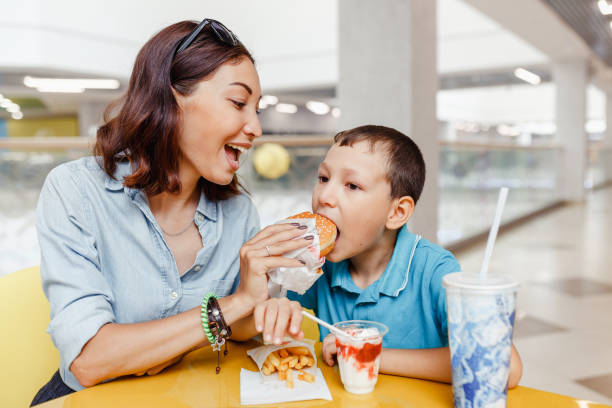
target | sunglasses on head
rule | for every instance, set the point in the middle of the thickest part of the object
(223, 34)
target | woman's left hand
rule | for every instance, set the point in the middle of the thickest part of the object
(278, 317)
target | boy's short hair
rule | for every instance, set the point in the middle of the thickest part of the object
(406, 167)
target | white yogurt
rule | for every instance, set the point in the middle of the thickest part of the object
(359, 360)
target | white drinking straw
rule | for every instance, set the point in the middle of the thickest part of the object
(331, 328)
(501, 201)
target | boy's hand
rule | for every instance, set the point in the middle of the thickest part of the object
(328, 349)
(277, 317)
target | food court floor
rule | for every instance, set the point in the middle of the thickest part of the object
(564, 322)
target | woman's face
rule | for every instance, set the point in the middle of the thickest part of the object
(219, 122)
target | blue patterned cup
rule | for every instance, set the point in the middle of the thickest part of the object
(480, 325)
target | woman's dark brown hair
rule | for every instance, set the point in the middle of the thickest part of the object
(145, 131)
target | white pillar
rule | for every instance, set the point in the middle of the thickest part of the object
(90, 117)
(607, 154)
(388, 76)
(571, 79)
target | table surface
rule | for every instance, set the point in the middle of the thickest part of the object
(193, 383)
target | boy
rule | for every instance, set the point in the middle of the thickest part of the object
(368, 186)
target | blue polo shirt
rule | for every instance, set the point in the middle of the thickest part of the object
(408, 297)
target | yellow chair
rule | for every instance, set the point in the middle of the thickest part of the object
(28, 355)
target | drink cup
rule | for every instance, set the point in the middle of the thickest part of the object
(480, 325)
(359, 357)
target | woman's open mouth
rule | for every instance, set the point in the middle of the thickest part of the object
(232, 154)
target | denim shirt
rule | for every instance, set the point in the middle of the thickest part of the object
(104, 258)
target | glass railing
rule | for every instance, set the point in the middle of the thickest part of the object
(469, 177)
(22, 173)
(291, 193)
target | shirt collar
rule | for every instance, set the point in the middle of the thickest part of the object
(123, 170)
(340, 276)
(205, 207)
(393, 278)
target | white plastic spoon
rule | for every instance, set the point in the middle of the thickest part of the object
(331, 328)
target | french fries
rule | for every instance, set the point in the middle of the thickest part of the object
(289, 378)
(303, 376)
(285, 361)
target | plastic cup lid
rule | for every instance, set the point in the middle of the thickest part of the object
(380, 331)
(470, 281)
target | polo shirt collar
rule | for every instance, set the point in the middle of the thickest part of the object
(395, 276)
(393, 279)
(341, 277)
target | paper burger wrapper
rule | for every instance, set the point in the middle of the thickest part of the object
(260, 354)
(298, 279)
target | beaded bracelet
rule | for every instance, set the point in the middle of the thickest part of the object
(216, 328)
(219, 323)
(204, 316)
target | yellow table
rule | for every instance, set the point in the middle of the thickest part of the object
(193, 383)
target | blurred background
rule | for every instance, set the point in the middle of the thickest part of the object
(496, 93)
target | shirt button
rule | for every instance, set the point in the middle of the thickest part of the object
(200, 218)
(197, 268)
(173, 295)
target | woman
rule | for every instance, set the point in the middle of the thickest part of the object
(132, 239)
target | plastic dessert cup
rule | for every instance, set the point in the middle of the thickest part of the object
(359, 358)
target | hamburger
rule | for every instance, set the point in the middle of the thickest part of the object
(325, 228)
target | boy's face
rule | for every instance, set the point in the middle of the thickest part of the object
(353, 192)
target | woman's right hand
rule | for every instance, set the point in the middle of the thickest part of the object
(277, 318)
(255, 261)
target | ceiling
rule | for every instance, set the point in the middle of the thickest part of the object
(473, 49)
(584, 17)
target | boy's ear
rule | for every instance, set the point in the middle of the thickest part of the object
(401, 211)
